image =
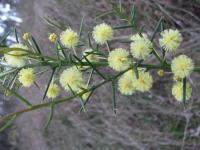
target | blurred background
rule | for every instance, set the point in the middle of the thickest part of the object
(150, 121)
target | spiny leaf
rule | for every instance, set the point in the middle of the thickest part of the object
(106, 13)
(16, 35)
(19, 97)
(122, 27)
(59, 47)
(52, 23)
(161, 26)
(157, 56)
(114, 96)
(133, 18)
(5, 36)
(71, 59)
(35, 83)
(90, 76)
(79, 60)
(80, 45)
(156, 28)
(11, 83)
(184, 90)
(81, 27)
(135, 67)
(85, 102)
(133, 14)
(50, 116)
(9, 123)
(93, 52)
(97, 71)
(36, 45)
(89, 40)
(108, 46)
(81, 100)
(141, 30)
(50, 80)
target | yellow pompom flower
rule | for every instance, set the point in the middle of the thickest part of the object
(53, 91)
(90, 55)
(102, 33)
(26, 36)
(71, 78)
(16, 58)
(182, 66)
(144, 82)
(141, 47)
(161, 72)
(118, 59)
(69, 38)
(177, 91)
(52, 37)
(170, 39)
(126, 85)
(27, 77)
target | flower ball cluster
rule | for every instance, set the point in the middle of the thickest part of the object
(177, 91)
(182, 66)
(170, 40)
(71, 79)
(118, 59)
(140, 46)
(102, 33)
(129, 83)
(27, 77)
(69, 38)
(53, 91)
(126, 84)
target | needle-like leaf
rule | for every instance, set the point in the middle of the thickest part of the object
(60, 48)
(37, 47)
(19, 97)
(9, 123)
(81, 99)
(5, 36)
(103, 14)
(53, 23)
(16, 35)
(122, 27)
(85, 102)
(114, 97)
(89, 40)
(81, 27)
(50, 80)
(97, 71)
(184, 90)
(50, 116)
(156, 28)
